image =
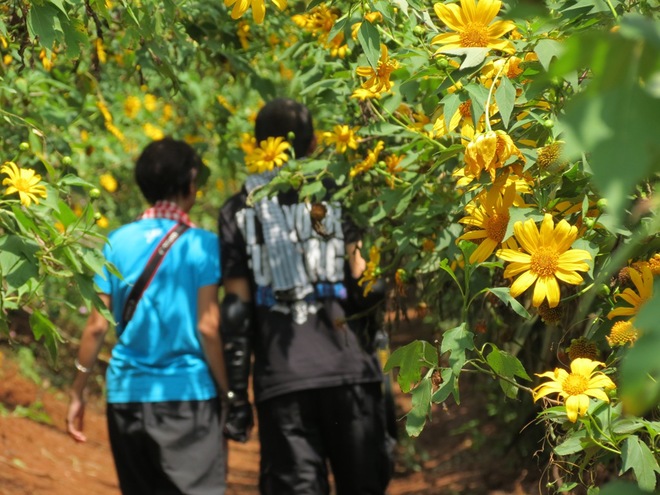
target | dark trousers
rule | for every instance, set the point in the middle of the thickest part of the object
(301, 432)
(168, 448)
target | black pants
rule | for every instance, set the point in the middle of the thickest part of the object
(302, 431)
(168, 448)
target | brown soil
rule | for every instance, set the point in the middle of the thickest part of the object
(453, 455)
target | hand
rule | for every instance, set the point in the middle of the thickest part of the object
(74, 420)
(240, 420)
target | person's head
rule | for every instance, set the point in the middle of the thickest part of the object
(281, 116)
(166, 170)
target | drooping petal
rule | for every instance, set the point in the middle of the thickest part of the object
(514, 269)
(522, 283)
(541, 292)
(568, 276)
(621, 312)
(483, 251)
(552, 291)
(514, 256)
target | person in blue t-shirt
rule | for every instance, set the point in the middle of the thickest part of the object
(167, 368)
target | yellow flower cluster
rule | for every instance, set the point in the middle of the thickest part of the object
(378, 78)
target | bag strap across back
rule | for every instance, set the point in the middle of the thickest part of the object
(150, 270)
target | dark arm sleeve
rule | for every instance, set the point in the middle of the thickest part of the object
(233, 250)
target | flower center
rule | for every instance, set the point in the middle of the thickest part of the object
(474, 34)
(575, 384)
(544, 262)
(22, 185)
(464, 109)
(496, 226)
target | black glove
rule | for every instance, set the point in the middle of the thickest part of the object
(240, 418)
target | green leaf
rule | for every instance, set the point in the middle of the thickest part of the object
(505, 96)
(546, 50)
(504, 295)
(43, 23)
(369, 39)
(314, 190)
(507, 366)
(411, 359)
(42, 327)
(474, 56)
(637, 456)
(456, 341)
(573, 444)
(421, 406)
(18, 262)
(448, 385)
(621, 488)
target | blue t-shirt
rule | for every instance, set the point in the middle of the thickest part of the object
(158, 356)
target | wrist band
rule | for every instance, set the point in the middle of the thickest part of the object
(81, 368)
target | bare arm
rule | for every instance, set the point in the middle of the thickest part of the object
(90, 345)
(238, 286)
(208, 324)
(355, 260)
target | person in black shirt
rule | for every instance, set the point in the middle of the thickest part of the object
(290, 281)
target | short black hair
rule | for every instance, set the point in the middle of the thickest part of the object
(281, 116)
(166, 169)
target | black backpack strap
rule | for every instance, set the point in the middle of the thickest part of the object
(150, 270)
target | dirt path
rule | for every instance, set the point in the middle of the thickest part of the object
(40, 459)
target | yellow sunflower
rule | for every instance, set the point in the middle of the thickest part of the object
(343, 137)
(379, 78)
(270, 153)
(365, 94)
(622, 333)
(576, 387)
(547, 257)
(240, 7)
(488, 220)
(473, 25)
(23, 181)
(643, 282)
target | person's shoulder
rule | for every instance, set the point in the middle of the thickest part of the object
(235, 202)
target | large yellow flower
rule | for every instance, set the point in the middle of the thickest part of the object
(343, 137)
(379, 79)
(576, 387)
(473, 25)
(643, 282)
(488, 219)
(23, 181)
(240, 7)
(548, 256)
(270, 153)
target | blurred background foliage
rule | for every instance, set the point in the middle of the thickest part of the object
(85, 85)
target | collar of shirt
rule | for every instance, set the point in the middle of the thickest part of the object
(169, 210)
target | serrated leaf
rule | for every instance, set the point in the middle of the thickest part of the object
(546, 50)
(504, 295)
(421, 406)
(42, 327)
(369, 39)
(505, 96)
(456, 341)
(43, 23)
(637, 456)
(507, 366)
(411, 359)
(573, 444)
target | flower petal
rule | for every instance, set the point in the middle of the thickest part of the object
(522, 283)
